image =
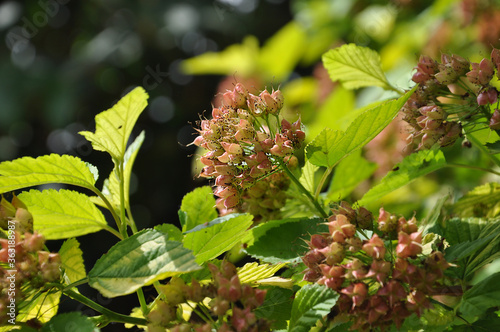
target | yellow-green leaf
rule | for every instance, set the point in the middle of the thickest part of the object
(72, 260)
(355, 67)
(27, 172)
(62, 214)
(114, 126)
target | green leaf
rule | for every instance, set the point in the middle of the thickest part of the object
(140, 260)
(283, 240)
(349, 173)
(355, 67)
(71, 321)
(219, 235)
(318, 150)
(277, 307)
(27, 172)
(199, 208)
(111, 187)
(329, 147)
(307, 178)
(482, 201)
(114, 126)
(482, 296)
(472, 231)
(63, 214)
(72, 260)
(311, 303)
(174, 234)
(412, 167)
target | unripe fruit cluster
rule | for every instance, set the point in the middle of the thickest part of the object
(452, 96)
(232, 302)
(246, 142)
(380, 282)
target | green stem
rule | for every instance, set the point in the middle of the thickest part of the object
(473, 167)
(77, 283)
(304, 190)
(322, 181)
(123, 224)
(111, 315)
(142, 301)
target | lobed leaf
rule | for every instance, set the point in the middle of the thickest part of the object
(355, 67)
(412, 167)
(72, 260)
(174, 234)
(42, 306)
(311, 303)
(140, 260)
(62, 214)
(221, 234)
(253, 272)
(114, 126)
(198, 207)
(28, 172)
(482, 296)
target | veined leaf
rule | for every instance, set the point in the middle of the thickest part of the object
(350, 172)
(311, 303)
(72, 260)
(199, 208)
(283, 240)
(482, 201)
(114, 126)
(62, 214)
(329, 147)
(482, 296)
(219, 235)
(355, 67)
(42, 306)
(253, 272)
(307, 178)
(140, 260)
(111, 187)
(27, 172)
(412, 167)
(276, 307)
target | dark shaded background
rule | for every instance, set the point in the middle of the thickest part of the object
(62, 62)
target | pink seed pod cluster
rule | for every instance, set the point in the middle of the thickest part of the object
(234, 303)
(380, 281)
(246, 141)
(24, 268)
(452, 95)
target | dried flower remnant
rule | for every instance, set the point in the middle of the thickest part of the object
(454, 97)
(247, 142)
(385, 279)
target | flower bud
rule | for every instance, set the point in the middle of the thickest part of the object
(495, 120)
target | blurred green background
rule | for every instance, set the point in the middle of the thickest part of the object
(64, 61)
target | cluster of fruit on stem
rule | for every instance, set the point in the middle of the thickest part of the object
(224, 304)
(25, 267)
(247, 142)
(453, 96)
(381, 280)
